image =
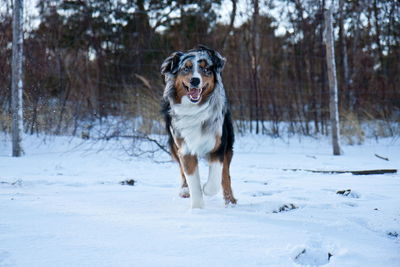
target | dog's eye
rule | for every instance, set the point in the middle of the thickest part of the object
(207, 71)
(186, 69)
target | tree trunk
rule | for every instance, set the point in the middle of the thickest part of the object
(231, 24)
(255, 42)
(353, 95)
(322, 86)
(17, 79)
(333, 88)
(344, 56)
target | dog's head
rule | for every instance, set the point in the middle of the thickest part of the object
(192, 74)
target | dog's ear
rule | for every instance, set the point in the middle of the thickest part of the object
(171, 63)
(216, 58)
(218, 61)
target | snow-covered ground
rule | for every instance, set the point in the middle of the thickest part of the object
(62, 204)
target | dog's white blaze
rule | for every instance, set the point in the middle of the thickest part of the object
(196, 194)
(214, 179)
(196, 71)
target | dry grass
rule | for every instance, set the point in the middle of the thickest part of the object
(351, 129)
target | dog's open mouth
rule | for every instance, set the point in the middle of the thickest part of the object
(194, 93)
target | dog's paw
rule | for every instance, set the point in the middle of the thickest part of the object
(230, 201)
(184, 192)
(198, 204)
(210, 189)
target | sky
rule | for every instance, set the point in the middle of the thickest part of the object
(243, 11)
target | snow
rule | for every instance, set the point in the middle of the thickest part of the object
(62, 204)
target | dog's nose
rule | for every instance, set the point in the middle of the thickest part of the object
(194, 81)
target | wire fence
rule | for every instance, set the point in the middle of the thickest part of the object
(86, 95)
(74, 80)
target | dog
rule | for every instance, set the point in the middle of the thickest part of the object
(198, 121)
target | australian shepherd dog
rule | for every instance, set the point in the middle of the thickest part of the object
(198, 121)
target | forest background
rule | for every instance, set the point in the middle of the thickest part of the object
(98, 62)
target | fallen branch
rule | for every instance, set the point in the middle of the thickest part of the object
(380, 157)
(362, 172)
(137, 136)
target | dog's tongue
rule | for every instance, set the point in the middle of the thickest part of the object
(194, 93)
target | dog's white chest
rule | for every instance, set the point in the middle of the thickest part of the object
(198, 126)
(198, 143)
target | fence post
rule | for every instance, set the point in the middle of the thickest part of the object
(333, 87)
(17, 78)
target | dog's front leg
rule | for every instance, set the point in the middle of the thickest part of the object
(213, 184)
(191, 170)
